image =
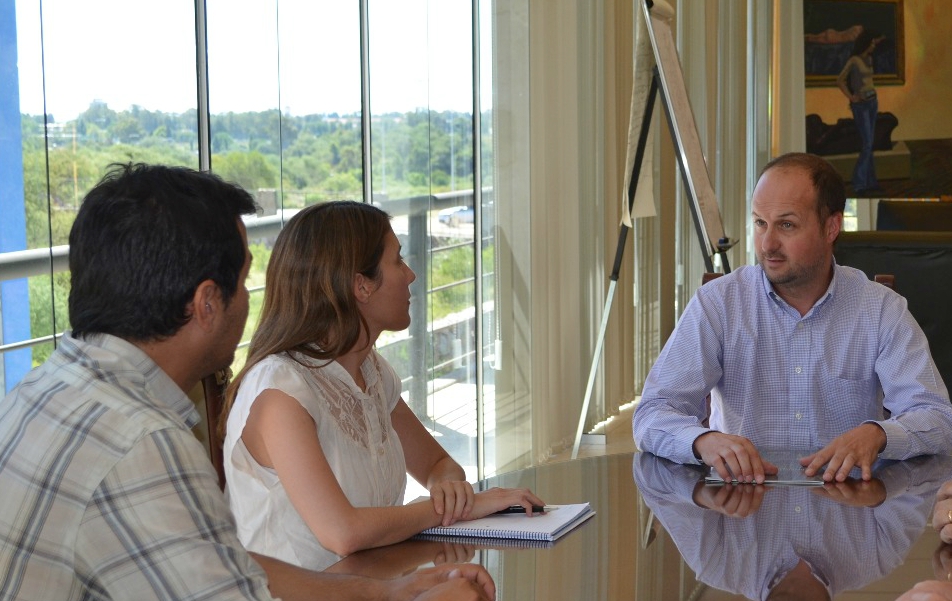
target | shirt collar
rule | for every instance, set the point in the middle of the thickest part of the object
(106, 352)
(369, 368)
(772, 294)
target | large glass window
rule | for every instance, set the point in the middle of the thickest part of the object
(87, 84)
(299, 114)
(421, 99)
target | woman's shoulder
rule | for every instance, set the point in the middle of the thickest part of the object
(276, 362)
(279, 371)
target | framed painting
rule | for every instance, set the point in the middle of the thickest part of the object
(831, 26)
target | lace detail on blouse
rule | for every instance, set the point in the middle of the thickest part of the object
(349, 405)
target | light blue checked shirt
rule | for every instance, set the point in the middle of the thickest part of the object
(786, 381)
(105, 493)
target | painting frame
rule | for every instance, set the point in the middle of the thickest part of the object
(829, 26)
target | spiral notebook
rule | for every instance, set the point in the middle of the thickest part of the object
(549, 526)
(482, 542)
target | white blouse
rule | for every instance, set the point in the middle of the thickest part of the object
(356, 434)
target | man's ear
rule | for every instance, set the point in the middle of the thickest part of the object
(206, 304)
(834, 225)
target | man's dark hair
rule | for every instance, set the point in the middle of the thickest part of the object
(828, 184)
(145, 237)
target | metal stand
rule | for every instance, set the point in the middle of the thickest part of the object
(669, 80)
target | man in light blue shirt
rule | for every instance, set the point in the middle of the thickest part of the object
(796, 352)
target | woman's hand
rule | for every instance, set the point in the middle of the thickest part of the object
(459, 503)
(448, 552)
(452, 499)
(496, 499)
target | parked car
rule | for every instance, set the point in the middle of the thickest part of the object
(456, 215)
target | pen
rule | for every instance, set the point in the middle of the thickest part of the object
(521, 509)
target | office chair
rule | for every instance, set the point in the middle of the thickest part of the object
(214, 386)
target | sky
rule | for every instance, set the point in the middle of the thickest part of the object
(126, 52)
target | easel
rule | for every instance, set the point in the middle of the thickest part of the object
(669, 80)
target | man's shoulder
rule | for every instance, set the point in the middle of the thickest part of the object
(743, 281)
(68, 398)
(55, 427)
(852, 282)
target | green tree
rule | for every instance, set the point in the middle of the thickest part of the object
(250, 170)
(126, 129)
(222, 142)
(47, 295)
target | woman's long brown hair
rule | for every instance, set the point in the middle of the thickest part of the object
(309, 304)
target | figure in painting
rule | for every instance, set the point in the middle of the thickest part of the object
(834, 36)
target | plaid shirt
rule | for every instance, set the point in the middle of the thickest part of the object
(106, 493)
(794, 382)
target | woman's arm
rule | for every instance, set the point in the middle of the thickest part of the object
(842, 81)
(280, 434)
(431, 465)
(427, 461)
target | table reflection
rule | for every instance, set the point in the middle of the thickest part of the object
(410, 555)
(805, 542)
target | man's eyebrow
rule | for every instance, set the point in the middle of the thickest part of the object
(780, 216)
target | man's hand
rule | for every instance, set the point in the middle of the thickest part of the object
(856, 447)
(942, 513)
(451, 582)
(733, 457)
(736, 501)
(929, 590)
(939, 589)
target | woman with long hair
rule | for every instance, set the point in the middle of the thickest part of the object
(856, 83)
(318, 440)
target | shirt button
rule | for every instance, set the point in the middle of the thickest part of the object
(799, 415)
(798, 369)
(797, 509)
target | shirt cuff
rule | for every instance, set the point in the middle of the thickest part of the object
(896, 440)
(689, 435)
